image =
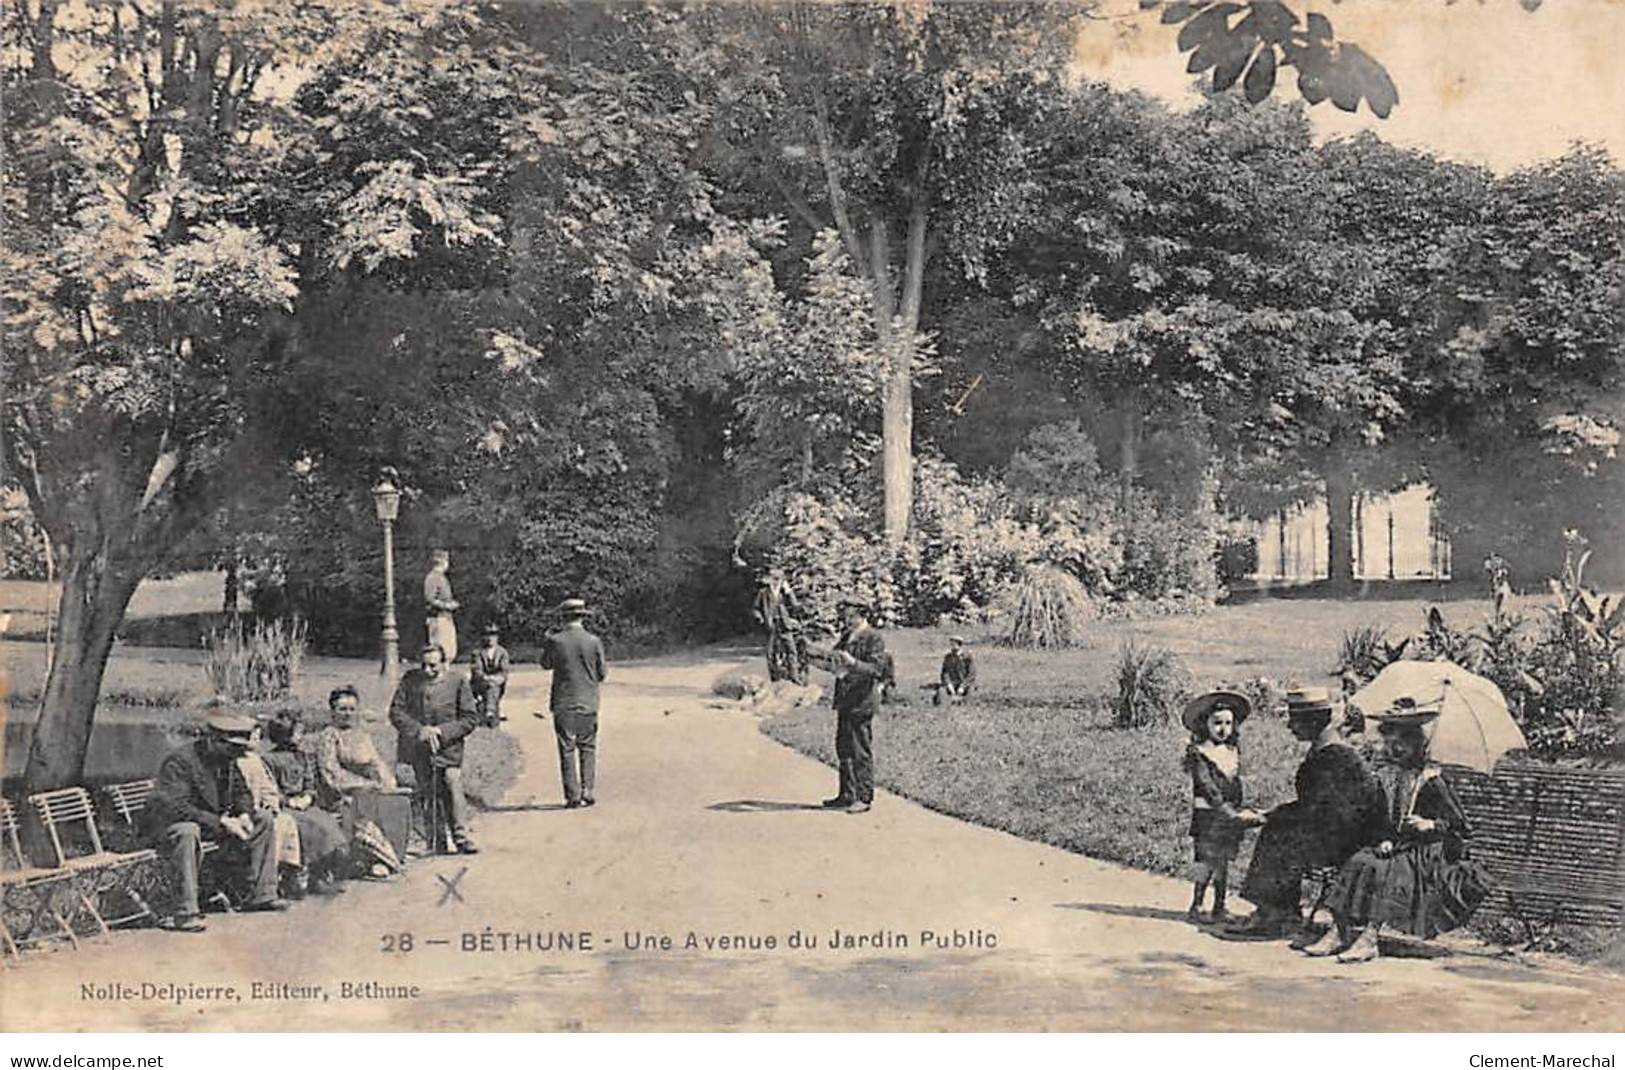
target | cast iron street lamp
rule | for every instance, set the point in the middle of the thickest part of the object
(386, 496)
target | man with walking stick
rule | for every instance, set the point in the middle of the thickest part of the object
(432, 711)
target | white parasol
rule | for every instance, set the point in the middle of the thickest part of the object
(1473, 727)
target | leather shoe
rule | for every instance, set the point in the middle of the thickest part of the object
(187, 923)
(587, 800)
(265, 906)
(858, 808)
(468, 847)
(840, 802)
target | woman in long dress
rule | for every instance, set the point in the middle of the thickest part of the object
(350, 769)
(324, 846)
(347, 760)
(1408, 882)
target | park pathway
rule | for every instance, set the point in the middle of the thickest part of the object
(707, 827)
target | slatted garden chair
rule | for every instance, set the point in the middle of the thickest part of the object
(31, 897)
(69, 818)
(126, 803)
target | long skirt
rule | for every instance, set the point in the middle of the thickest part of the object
(1288, 846)
(1401, 892)
(321, 838)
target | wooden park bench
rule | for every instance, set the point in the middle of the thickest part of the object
(36, 902)
(1553, 838)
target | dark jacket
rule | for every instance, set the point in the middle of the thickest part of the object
(1340, 798)
(490, 668)
(576, 658)
(446, 703)
(192, 786)
(958, 671)
(857, 690)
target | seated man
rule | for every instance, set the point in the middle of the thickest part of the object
(1339, 809)
(433, 709)
(958, 674)
(192, 801)
(490, 676)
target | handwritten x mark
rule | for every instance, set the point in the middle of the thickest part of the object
(449, 887)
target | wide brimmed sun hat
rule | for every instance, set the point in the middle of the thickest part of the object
(1197, 709)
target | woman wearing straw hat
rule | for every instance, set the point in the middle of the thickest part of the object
(1338, 810)
(1411, 881)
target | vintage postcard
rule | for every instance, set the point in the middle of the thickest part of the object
(1095, 515)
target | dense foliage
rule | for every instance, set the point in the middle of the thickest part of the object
(637, 300)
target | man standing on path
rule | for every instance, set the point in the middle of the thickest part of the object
(576, 657)
(860, 666)
(433, 709)
(439, 605)
(777, 610)
(193, 801)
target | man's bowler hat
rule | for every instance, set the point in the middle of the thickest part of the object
(573, 607)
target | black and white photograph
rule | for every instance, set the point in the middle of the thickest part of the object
(813, 516)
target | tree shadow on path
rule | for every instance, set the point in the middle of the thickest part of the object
(1124, 911)
(760, 806)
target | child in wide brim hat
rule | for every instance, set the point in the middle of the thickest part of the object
(1218, 817)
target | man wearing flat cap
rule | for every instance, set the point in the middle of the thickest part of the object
(1339, 809)
(490, 676)
(576, 658)
(193, 802)
(433, 711)
(958, 673)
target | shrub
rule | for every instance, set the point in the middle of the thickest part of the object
(1237, 558)
(1151, 684)
(249, 665)
(1052, 610)
(1365, 651)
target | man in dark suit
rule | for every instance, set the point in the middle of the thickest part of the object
(958, 674)
(193, 800)
(860, 666)
(576, 657)
(432, 711)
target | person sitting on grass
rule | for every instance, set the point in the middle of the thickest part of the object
(958, 675)
(192, 801)
(323, 845)
(1217, 817)
(1412, 880)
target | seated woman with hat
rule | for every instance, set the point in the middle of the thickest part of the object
(1338, 810)
(1410, 880)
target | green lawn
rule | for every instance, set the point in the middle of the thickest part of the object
(1035, 754)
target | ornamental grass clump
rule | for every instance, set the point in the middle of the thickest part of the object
(1151, 684)
(251, 665)
(1052, 611)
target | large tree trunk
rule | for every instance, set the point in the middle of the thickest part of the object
(94, 597)
(1339, 476)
